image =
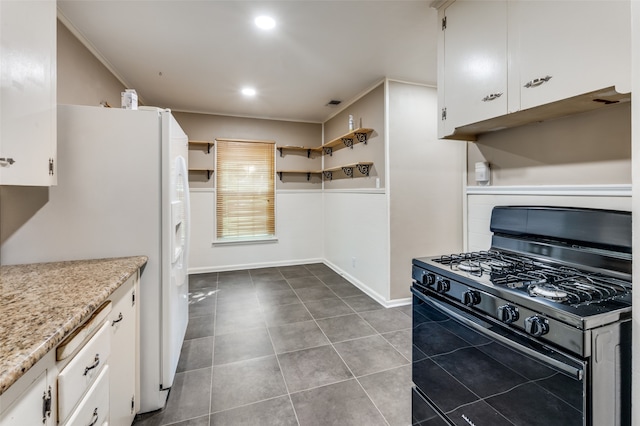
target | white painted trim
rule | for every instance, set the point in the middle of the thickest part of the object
(249, 241)
(431, 86)
(619, 190)
(205, 270)
(352, 280)
(95, 52)
(387, 181)
(356, 191)
(298, 191)
(202, 190)
(359, 284)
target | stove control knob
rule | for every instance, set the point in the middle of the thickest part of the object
(536, 326)
(428, 279)
(442, 286)
(508, 314)
(470, 297)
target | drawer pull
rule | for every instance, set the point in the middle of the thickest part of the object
(491, 97)
(96, 362)
(94, 417)
(120, 318)
(537, 82)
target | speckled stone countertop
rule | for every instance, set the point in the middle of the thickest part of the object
(40, 303)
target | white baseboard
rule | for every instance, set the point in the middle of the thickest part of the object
(206, 270)
(368, 291)
(360, 285)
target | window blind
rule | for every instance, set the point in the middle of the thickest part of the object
(245, 188)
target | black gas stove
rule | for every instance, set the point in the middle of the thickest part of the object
(555, 286)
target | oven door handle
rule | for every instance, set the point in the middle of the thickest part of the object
(571, 371)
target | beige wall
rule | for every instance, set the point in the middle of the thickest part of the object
(587, 148)
(425, 183)
(370, 111)
(82, 79)
(209, 127)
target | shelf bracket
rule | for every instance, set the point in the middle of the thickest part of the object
(209, 145)
(328, 175)
(280, 149)
(280, 174)
(209, 172)
(348, 142)
(309, 154)
(348, 171)
(362, 137)
(308, 176)
(328, 151)
(364, 169)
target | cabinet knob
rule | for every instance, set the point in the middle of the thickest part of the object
(537, 82)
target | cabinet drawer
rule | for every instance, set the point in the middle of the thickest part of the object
(82, 370)
(94, 407)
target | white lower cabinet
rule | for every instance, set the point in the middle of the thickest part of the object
(82, 371)
(34, 405)
(93, 409)
(91, 378)
(123, 360)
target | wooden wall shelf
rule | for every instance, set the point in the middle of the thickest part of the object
(208, 144)
(298, 148)
(347, 140)
(198, 169)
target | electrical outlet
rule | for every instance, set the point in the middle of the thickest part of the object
(353, 262)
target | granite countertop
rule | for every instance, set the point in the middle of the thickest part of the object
(40, 303)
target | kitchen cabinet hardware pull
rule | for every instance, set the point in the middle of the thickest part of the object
(94, 417)
(115, 321)
(96, 362)
(7, 161)
(491, 97)
(537, 82)
(46, 405)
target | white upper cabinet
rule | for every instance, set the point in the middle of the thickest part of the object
(28, 92)
(504, 63)
(473, 70)
(581, 45)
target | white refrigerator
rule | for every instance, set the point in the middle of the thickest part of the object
(122, 191)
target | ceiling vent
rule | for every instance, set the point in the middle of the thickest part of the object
(333, 103)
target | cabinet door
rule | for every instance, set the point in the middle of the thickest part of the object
(29, 409)
(28, 92)
(475, 63)
(582, 45)
(123, 359)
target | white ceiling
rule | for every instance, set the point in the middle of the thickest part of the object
(196, 55)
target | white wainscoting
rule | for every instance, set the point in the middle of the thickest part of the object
(299, 229)
(481, 200)
(356, 226)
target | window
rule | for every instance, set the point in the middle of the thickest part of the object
(245, 187)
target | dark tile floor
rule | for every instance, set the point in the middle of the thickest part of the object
(294, 345)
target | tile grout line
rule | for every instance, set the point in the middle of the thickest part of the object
(343, 361)
(213, 351)
(286, 386)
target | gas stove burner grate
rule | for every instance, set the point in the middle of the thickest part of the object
(548, 292)
(560, 284)
(484, 262)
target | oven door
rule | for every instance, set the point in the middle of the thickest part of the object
(476, 371)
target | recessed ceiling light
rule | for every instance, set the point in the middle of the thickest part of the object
(249, 91)
(265, 22)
